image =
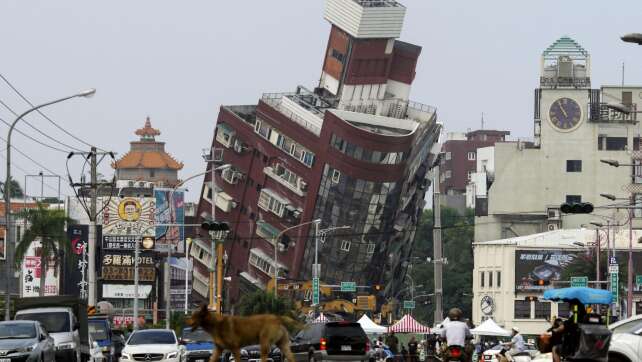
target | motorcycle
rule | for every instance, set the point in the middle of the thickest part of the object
(455, 354)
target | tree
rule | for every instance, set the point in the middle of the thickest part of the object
(48, 228)
(262, 302)
(457, 238)
(16, 189)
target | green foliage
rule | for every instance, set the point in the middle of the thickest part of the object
(585, 266)
(16, 189)
(261, 302)
(457, 239)
(48, 227)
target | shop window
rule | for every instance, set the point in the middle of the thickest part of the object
(522, 309)
(542, 310)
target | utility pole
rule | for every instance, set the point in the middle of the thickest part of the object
(437, 249)
(92, 227)
(168, 286)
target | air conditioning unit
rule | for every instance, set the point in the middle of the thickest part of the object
(552, 226)
(239, 147)
(303, 185)
(553, 213)
(217, 155)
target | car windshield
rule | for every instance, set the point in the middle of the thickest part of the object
(98, 331)
(53, 322)
(152, 337)
(17, 330)
(197, 335)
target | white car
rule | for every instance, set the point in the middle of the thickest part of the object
(153, 345)
(626, 342)
(490, 355)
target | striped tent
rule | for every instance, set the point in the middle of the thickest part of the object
(408, 324)
(321, 319)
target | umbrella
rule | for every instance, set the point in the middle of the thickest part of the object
(584, 295)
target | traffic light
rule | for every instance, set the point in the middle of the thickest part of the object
(215, 225)
(377, 288)
(576, 208)
(531, 299)
(541, 282)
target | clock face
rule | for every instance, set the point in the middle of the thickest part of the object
(565, 114)
(487, 305)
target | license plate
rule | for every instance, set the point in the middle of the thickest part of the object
(343, 348)
(5, 359)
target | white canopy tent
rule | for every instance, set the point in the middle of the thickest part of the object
(371, 327)
(490, 328)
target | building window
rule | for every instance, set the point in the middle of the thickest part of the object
(270, 202)
(472, 156)
(448, 156)
(573, 199)
(542, 310)
(263, 129)
(152, 173)
(266, 231)
(260, 263)
(490, 279)
(225, 134)
(345, 245)
(470, 175)
(483, 280)
(573, 165)
(605, 143)
(338, 55)
(287, 175)
(336, 176)
(371, 248)
(448, 174)
(627, 98)
(563, 310)
(522, 309)
(499, 279)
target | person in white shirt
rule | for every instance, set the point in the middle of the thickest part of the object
(516, 345)
(456, 332)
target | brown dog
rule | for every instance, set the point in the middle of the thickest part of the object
(232, 333)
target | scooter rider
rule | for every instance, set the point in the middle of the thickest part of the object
(516, 345)
(456, 332)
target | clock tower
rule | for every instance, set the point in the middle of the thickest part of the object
(563, 98)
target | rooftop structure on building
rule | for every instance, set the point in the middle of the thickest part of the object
(147, 160)
(352, 151)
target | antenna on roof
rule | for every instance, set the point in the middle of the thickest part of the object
(482, 121)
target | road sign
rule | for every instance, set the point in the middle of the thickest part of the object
(612, 260)
(614, 268)
(315, 291)
(348, 286)
(638, 280)
(615, 278)
(579, 282)
(408, 304)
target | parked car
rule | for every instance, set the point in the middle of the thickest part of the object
(490, 355)
(253, 354)
(626, 341)
(198, 345)
(332, 341)
(22, 341)
(153, 345)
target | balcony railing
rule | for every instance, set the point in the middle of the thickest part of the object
(554, 82)
(600, 112)
(395, 108)
(275, 100)
(377, 3)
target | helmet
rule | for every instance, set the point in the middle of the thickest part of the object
(455, 314)
(516, 329)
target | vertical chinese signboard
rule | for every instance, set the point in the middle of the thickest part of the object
(32, 272)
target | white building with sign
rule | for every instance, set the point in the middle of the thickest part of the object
(519, 186)
(510, 275)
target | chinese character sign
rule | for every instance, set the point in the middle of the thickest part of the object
(31, 274)
(169, 217)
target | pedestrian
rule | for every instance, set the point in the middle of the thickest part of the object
(412, 349)
(393, 343)
(404, 353)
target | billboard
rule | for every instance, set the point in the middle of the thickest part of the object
(119, 265)
(126, 220)
(169, 214)
(32, 273)
(532, 266)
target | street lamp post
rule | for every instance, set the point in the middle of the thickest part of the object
(188, 243)
(7, 195)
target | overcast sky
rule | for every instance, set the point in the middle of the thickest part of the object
(178, 61)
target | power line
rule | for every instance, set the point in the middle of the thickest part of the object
(45, 116)
(30, 159)
(25, 172)
(35, 140)
(38, 130)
